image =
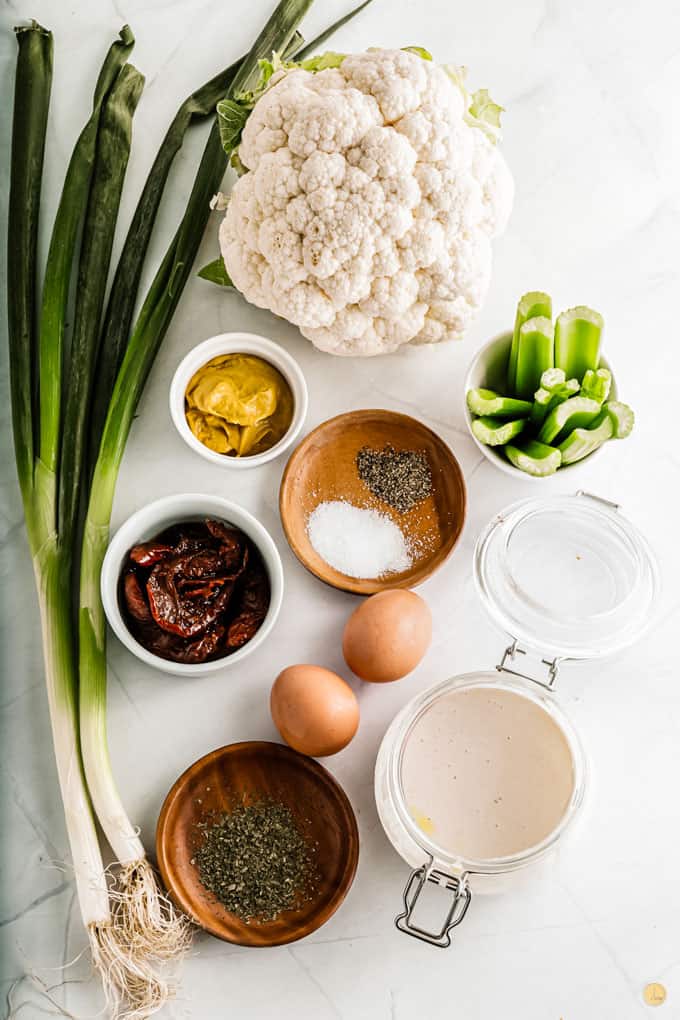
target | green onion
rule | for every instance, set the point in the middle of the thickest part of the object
(534, 458)
(577, 341)
(530, 306)
(52, 556)
(535, 354)
(576, 412)
(492, 432)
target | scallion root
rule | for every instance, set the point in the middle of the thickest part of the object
(151, 925)
(133, 987)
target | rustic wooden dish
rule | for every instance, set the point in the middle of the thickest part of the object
(323, 468)
(257, 770)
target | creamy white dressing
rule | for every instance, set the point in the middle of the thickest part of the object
(487, 772)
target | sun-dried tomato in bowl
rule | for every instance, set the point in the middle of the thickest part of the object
(197, 591)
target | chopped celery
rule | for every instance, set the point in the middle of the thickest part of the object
(571, 414)
(535, 354)
(622, 418)
(552, 378)
(540, 406)
(529, 306)
(547, 399)
(596, 384)
(577, 340)
(486, 402)
(583, 441)
(495, 433)
(533, 457)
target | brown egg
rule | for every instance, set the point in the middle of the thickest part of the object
(387, 636)
(314, 710)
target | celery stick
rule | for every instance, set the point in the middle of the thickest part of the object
(622, 418)
(535, 458)
(597, 384)
(552, 378)
(571, 414)
(486, 402)
(540, 406)
(547, 399)
(530, 305)
(535, 354)
(583, 441)
(577, 340)
(495, 433)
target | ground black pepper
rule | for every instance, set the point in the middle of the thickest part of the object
(401, 478)
(256, 861)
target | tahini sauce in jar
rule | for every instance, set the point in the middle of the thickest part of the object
(486, 773)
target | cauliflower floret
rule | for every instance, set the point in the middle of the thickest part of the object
(367, 213)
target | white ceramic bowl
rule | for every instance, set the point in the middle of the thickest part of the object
(151, 520)
(238, 343)
(487, 371)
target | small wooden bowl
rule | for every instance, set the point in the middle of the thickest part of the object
(323, 468)
(252, 771)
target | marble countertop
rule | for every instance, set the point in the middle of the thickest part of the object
(592, 137)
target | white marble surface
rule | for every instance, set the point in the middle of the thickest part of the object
(592, 136)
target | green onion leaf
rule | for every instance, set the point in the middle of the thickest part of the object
(32, 99)
(113, 149)
(58, 273)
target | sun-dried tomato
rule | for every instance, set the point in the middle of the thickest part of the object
(147, 553)
(197, 591)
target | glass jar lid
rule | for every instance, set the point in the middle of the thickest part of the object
(567, 575)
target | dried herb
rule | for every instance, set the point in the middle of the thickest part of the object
(256, 861)
(400, 478)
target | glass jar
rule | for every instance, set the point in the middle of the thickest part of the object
(566, 577)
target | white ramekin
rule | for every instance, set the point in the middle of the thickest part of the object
(238, 343)
(154, 518)
(487, 371)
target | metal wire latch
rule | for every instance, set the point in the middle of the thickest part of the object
(457, 910)
(599, 499)
(512, 650)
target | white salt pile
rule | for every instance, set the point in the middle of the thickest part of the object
(357, 541)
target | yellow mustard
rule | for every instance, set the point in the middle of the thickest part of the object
(238, 405)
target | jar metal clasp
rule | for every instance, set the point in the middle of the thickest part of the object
(459, 904)
(514, 650)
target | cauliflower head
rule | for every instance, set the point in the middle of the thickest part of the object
(367, 210)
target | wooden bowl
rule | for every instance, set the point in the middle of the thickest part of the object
(252, 771)
(323, 468)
